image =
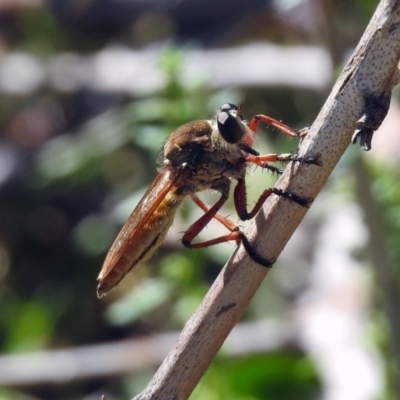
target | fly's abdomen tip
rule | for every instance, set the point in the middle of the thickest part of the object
(103, 288)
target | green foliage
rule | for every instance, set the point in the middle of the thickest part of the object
(45, 35)
(19, 318)
(280, 376)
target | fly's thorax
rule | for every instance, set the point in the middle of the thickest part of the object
(208, 160)
(185, 144)
(200, 182)
(212, 170)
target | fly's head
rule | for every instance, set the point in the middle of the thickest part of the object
(230, 123)
(233, 130)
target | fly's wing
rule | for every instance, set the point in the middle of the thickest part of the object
(140, 216)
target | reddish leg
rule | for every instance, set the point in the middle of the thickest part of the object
(223, 220)
(202, 222)
(240, 198)
(262, 161)
(235, 233)
(287, 130)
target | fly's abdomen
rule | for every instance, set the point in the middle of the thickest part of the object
(132, 247)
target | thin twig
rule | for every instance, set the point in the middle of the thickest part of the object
(368, 76)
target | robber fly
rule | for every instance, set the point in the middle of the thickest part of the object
(200, 155)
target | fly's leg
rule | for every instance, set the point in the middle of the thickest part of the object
(240, 194)
(262, 160)
(252, 253)
(201, 223)
(230, 225)
(240, 198)
(235, 233)
(287, 130)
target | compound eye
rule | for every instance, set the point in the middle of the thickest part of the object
(229, 124)
(229, 107)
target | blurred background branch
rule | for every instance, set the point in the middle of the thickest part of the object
(130, 355)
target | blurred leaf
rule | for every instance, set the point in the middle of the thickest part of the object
(12, 394)
(29, 326)
(93, 235)
(141, 300)
(45, 35)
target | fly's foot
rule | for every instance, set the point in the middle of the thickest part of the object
(252, 253)
(302, 132)
(304, 202)
(272, 168)
(316, 160)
